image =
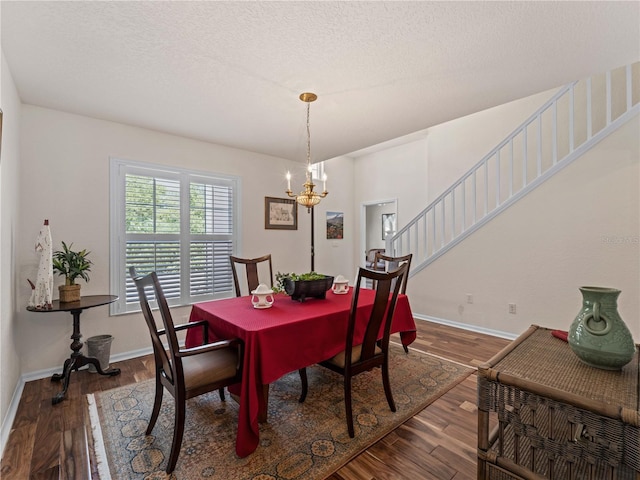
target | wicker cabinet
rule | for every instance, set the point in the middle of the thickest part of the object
(552, 416)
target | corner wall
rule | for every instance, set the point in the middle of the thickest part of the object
(9, 181)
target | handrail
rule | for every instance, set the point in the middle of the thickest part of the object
(562, 129)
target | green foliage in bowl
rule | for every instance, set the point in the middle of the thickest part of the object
(280, 278)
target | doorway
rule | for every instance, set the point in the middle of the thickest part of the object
(377, 220)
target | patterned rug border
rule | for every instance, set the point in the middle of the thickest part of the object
(386, 431)
(100, 450)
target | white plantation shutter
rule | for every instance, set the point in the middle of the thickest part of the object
(179, 224)
(150, 256)
(211, 239)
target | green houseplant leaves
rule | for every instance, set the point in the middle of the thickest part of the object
(71, 264)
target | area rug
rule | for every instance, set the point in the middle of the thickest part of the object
(300, 441)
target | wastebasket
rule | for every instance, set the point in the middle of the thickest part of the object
(99, 347)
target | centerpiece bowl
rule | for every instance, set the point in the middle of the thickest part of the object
(299, 288)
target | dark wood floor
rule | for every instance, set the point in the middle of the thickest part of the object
(51, 442)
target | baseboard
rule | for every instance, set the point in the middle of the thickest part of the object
(118, 357)
(9, 418)
(466, 326)
(7, 422)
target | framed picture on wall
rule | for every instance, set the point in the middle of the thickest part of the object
(388, 224)
(280, 214)
(335, 225)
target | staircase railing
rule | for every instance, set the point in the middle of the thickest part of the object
(577, 117)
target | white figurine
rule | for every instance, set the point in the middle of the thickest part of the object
(44, 282)
(32, 298)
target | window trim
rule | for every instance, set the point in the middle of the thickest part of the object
(117, 237)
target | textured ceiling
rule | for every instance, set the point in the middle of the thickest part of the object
(231, 72)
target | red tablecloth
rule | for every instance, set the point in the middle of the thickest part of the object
(284, 338)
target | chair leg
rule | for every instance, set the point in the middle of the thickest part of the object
(221, 391)
(387, 386)
(178, 430)
(305, 384)
(347, 404)
(157, 402)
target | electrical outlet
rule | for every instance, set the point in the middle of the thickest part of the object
(469, 298)
(512, 308)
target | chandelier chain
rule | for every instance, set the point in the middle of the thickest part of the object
(308, 197)
(308, 138)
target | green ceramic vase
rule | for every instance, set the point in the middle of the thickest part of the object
(598, 336)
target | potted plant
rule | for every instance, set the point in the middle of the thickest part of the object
(71, 264)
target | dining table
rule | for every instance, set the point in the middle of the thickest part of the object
(285, 337)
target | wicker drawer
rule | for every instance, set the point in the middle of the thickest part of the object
(556, 417)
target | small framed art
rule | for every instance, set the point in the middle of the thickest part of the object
(388, 224)
(335, 225)
(280, 214)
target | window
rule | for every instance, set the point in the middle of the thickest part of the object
(317, 171)
(180, 224)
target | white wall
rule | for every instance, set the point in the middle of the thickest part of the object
(335, 256)
(65, 168)
(581, 227)
(456, 146)
(539, 251)
(396, 173)
(9, 186)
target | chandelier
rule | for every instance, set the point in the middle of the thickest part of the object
(308, 198)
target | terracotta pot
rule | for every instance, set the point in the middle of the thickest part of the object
(69, 293)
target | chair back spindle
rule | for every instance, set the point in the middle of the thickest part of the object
(149, 288)
(388, 263)
(251, 268)
(374, 349)
(387, 288)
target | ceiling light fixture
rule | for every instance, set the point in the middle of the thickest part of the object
(308, 198)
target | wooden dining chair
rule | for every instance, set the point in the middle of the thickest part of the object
(184, 372)
(370, 257)
(372, 352)
(251, 267)
(386, 263)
